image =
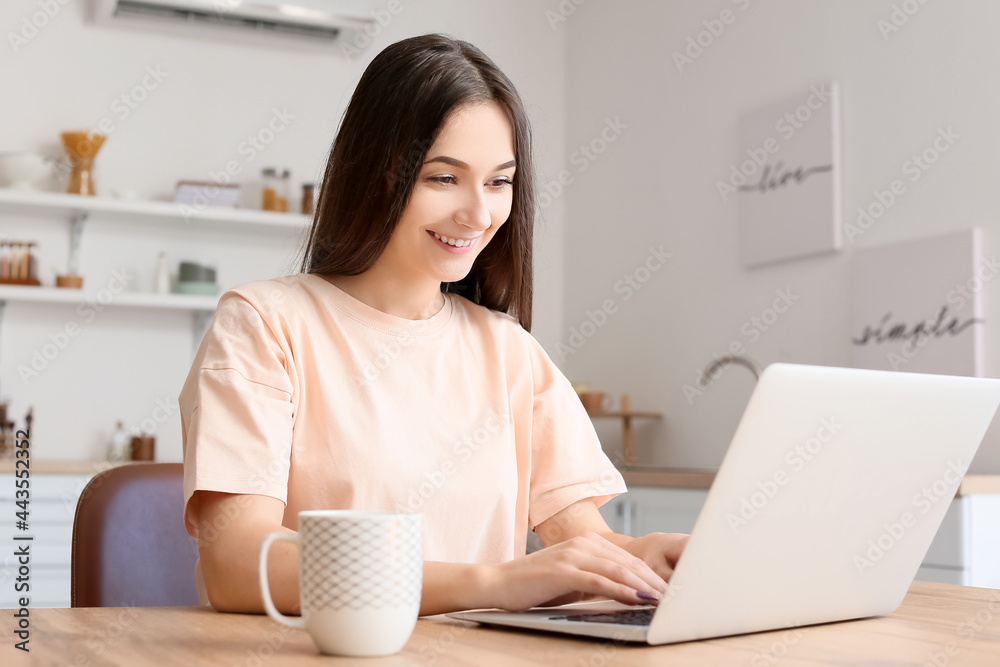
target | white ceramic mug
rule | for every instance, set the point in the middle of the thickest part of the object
(360, 576)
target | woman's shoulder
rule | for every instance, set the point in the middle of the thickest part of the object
(487, 318)
(281, 302)
(267, 286)
(500, 328)
(269, 293)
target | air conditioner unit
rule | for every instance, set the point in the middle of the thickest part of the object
(295, 23)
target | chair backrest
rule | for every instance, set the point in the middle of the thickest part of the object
(130, 548)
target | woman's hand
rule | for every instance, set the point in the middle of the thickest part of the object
(583, 559)
(660, 551)
(577, 569)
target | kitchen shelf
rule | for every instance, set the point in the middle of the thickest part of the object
(627, 415)
(202, 308)
(192, 302)
(31, 202)
(78, 209)
(615, 413)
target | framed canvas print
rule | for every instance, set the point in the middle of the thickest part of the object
(786, 180)
(918, 305)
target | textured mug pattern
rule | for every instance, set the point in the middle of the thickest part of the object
(361, 563)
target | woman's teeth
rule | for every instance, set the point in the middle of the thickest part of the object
(458, 243)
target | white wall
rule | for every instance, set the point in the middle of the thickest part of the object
(213, 95)
(656, 185)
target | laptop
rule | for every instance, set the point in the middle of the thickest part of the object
(822, 510)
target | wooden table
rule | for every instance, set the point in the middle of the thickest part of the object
(937, 624)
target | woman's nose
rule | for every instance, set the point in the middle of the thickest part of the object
(473, 211)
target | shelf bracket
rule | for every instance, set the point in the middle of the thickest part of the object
(76, 235)
(628, 442)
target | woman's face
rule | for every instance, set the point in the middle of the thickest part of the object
(463, 194)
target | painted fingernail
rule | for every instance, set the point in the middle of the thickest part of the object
(642, 595)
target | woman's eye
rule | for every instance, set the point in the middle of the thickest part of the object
(449, 179)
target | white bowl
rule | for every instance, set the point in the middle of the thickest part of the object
(24, 171)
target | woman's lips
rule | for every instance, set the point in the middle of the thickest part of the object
(451, 248)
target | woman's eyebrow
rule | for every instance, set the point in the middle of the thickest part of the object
(462, 165)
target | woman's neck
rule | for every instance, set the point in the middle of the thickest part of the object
(401, 298)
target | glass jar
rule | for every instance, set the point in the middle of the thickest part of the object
(275, 190)
(308, 199)
(285, 192)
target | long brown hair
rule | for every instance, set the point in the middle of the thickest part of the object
(400, 105)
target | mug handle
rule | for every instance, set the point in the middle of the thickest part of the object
(265, 590)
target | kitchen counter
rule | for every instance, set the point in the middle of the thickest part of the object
(61, 467)
(668, 478)
(664, 478)
(691, 478)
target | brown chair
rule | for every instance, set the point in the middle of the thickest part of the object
(130, 548)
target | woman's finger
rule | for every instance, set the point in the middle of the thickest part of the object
(595, 574)
(653, 580)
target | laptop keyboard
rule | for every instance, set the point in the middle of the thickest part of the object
(623, 617)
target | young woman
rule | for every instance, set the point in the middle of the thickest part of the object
(396, 370)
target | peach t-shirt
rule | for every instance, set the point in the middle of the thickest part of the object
(305, 394)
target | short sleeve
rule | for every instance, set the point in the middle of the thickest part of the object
(567, 461)
(236, 407)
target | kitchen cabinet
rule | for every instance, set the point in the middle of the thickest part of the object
(50, 523)
(965, 551)
(652, 510)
